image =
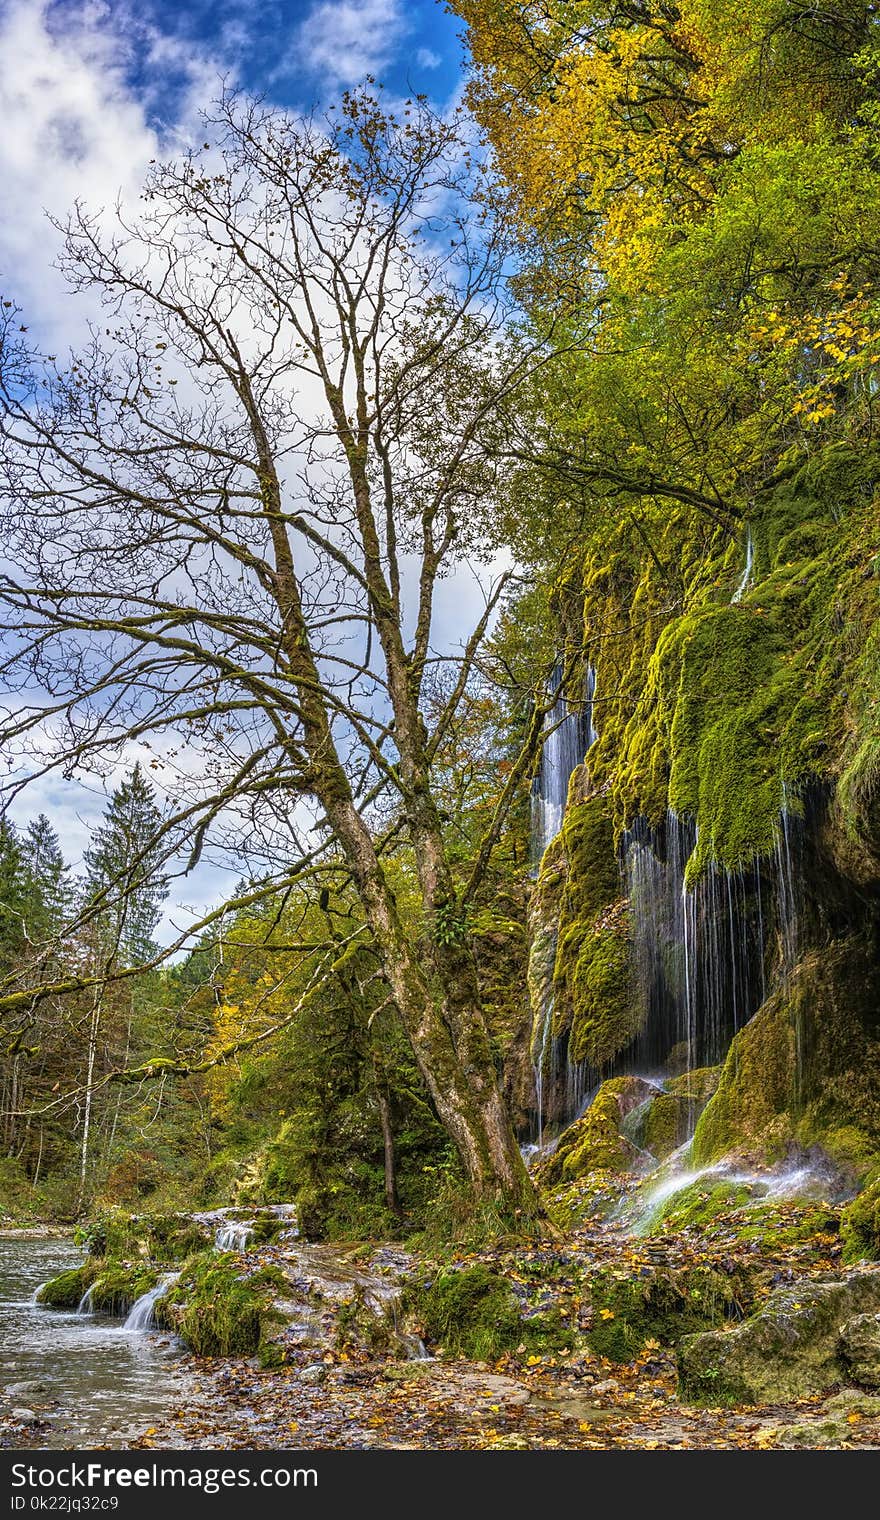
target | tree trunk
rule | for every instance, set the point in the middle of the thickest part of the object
(391, 1197)
(94, 1026)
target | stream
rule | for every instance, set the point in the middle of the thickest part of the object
(91, 1381)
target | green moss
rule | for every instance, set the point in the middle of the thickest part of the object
(118, 1286)
(580, 925)
(220, 1308)
(592, 1197)
(473, 1312)
(700, 1204)
(594, 1143)
(162, 1238)
(662, 1306)
(710, 706)
(860, 1225)
(66, 1289)
(669, 1118)
(666, 1125)
(806, 1069)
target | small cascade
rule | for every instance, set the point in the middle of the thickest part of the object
(141, 1317)
(85, 1304)
(569, 733)
(789, 1180)
(234, 1236)
(744, 581)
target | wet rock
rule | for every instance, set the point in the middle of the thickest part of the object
(25, 1416)
(860, 1348)
(789, 1350)
(316, 1372)
(21, 1390)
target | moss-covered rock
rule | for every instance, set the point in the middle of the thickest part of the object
(221, 1308)
(700, 1204)
(789, 1350)
(474, 1312)
(595, 1003)
(860, 1349)
(594, 1143)
(66, 1289)
(805, 1070)
(631, 1309)
(860, 1225)
(119, 1285)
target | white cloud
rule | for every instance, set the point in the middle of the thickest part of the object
(427, 59)
(70, 129)
(341, 41)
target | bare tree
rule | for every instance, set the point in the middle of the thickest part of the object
(231, 511)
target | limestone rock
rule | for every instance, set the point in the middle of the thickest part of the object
(789, 1350)
(860, 1348)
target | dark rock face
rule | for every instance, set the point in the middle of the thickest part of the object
(801, 1343)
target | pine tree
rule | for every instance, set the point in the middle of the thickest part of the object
(122, 874)
(46, 880)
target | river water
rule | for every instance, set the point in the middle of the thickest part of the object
(92, 1382)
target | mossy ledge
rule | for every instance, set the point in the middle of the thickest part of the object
(220, 1307)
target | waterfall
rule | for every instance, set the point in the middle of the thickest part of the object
(85, 1304)
(542, 1055)
(742, 584)
(698, 951)
(569, 732)
(141, 1316)
(234, 1237)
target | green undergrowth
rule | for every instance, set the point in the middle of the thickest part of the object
(161, 1238)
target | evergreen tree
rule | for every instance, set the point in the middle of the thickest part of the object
(122, 874)
(46, 880)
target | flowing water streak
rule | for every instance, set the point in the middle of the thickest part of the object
(742, 585)
(85, 1304)
(698, 950)
(141, 1317)
(541, 1064)
(569, 732)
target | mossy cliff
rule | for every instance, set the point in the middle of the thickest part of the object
(714, 707)
(734, 698)
(806, 1070)
(579, 968)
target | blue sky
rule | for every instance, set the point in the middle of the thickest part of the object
(298, 52)
(90, 91)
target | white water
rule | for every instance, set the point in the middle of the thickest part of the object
(142, 1317)
(101, 1385)
(85, 1303)
(742, 585)
(569, 732)
(640, 1211)
(234, 1237)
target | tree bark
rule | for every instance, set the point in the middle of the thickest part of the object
(391, 1197)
